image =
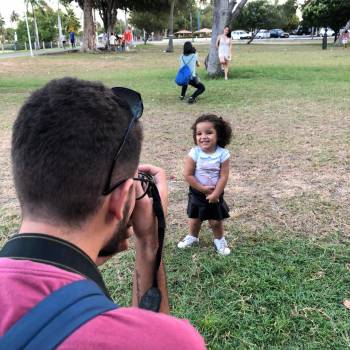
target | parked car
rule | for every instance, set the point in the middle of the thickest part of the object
(302, 31)
(240, 34)
(263, 34)
(330, 32)
(278, 33)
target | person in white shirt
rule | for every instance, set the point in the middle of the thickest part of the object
(113, 41)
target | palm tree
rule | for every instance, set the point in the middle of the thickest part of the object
(34, 4)
(14, 17)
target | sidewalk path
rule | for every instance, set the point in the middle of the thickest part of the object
(39, 52)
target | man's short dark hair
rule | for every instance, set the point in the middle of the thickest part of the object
(63, 144)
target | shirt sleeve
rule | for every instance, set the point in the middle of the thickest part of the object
(193, 153)
(225, 154)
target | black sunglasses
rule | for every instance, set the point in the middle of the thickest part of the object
(134, 102)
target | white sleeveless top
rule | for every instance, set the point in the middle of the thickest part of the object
(224, 46)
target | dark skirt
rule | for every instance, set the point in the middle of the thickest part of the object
(199, 208)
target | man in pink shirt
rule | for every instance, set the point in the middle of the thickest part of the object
(75, 154)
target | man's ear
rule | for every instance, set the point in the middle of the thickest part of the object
(119, 198)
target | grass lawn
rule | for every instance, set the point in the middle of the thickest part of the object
(284, 284)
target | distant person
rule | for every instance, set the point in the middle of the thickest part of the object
(63, 41)
(345, 39)
(190, 58)
(113, 41)
(207, 168)
(72, 38)
(224, 46)
(128, 37)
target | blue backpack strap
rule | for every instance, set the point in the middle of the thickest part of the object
(56, 317)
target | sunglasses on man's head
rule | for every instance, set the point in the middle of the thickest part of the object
(134, 102)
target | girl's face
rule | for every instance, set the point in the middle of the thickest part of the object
(206, 137)
(226, 30)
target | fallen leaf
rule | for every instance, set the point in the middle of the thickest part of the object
(347, 303)
(348, 266)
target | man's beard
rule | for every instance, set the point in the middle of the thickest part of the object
(116, 243)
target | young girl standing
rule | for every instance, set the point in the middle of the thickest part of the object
(206, 171)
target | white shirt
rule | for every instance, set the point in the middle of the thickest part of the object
(208, 165)
(112, 39)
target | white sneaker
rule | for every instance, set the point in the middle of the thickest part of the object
(221, 246)
(188, 241)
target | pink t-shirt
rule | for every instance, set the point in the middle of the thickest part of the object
(24, 283)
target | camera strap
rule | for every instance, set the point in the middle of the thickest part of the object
(53, 251)
(152, 298)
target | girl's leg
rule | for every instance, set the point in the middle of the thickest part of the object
(219, 239)
(199, 86)
(195, 227)
(217, 227)
(192, 237)
(226, 69)
(183, 90)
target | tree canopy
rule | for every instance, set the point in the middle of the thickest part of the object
(326, 13)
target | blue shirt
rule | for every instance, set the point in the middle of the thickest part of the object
(190, 60)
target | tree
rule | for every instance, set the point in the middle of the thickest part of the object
(2, 29)
(148, 22)
(224, 13)
(14, 17)
(179, 5)
(327, 13)
(70, 21)
(287, 15)
(256, 15)
(89, 40)
(35, 4)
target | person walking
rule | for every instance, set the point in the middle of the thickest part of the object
(224, 46)
(190, 58)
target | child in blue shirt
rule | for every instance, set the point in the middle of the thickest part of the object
(206, 171)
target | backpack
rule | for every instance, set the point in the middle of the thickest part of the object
(56, 317)
(184, 74)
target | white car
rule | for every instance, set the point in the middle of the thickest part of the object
(263, 34)
(240, 34)
(330, 32)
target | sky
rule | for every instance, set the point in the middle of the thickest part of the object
(7, 6)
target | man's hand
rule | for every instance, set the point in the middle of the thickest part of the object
(143, 221)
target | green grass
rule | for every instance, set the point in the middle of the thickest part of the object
(270, 293)
(285, 282)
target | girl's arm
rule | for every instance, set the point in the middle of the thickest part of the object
(221, 184)
(189, 169)
(218, 41)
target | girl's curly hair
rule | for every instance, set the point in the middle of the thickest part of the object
(222, 127)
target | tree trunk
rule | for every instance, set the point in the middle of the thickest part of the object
(234, 14)
(254, 34)
(89, 43)
(170, 47)
(37, 42)
(221, 16)
(347, 27)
